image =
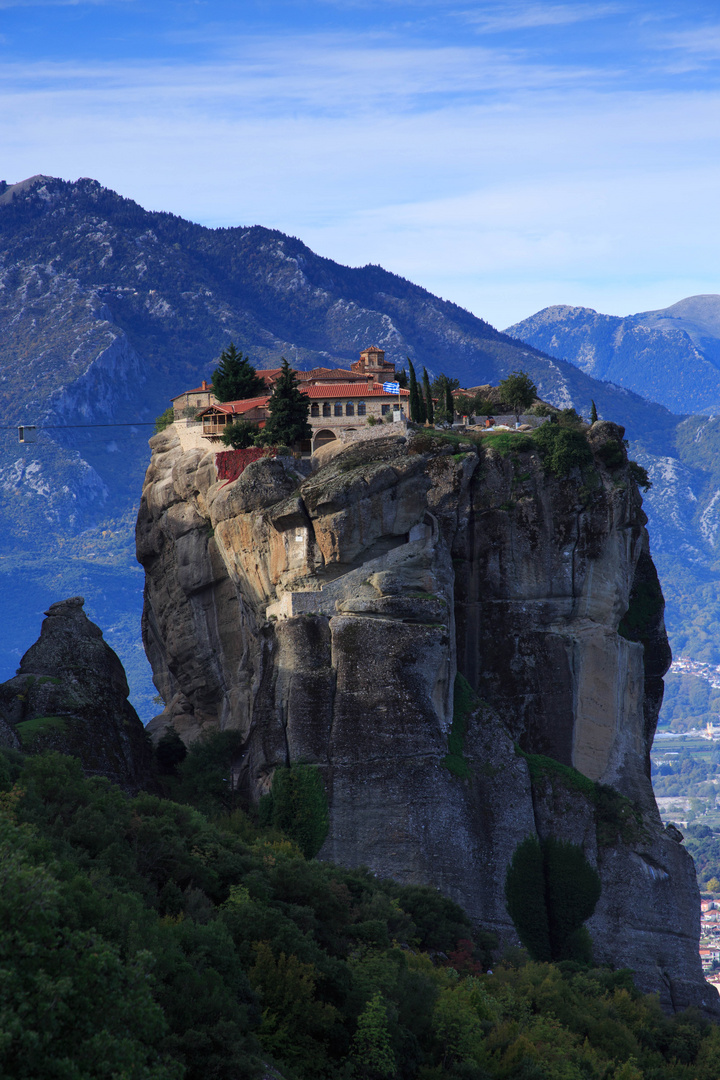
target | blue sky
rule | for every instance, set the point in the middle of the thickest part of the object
(505, 155)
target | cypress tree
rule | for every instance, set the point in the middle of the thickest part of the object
(288, 408)
(422, 409)
(593, 412)
(449, 401)
(414, 394)
(234, 379)
(429, 408)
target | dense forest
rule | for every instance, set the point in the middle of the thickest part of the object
(155, 938)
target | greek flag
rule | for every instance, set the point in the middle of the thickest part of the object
(391, 387)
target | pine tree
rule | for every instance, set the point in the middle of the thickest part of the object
(414, 395)
(288, 408)
(234, 379)
(593, 412)
(429, 408)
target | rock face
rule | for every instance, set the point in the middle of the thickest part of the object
(70, 694)
(327, 618)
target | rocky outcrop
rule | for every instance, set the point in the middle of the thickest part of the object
(328, 617)
(70, 694)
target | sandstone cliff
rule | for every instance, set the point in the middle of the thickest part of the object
(327, 616)
(70, 694)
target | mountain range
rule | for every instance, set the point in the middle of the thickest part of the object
(107, 310)
(671, 356)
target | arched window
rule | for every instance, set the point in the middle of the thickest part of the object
(349, 409)
(338, 408)
(315, 409)
(326, 408)
(361, 408)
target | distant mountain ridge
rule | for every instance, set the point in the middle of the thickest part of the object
(671, 356)
(107, 310)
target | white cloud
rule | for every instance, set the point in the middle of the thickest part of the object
(466, 169)
(501, 18)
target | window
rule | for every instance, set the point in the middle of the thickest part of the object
(384, 409)
(338, 408)
(349, 409)
(326, 408)
(361, 408)
(315, 409)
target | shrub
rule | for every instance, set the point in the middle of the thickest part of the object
(551, 889)
(639, 475)
(298, 806)
(563, 449)
(464, 701)
(612, 454)
(164, 420)
(239, 435)
(170, 752)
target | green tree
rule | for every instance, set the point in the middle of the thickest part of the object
(295, 1024)
(234, 379)
(415, 412)
(372, 1050)
(429, 405)
(593, 412)
(164, 420)
(70, 1006)
(170, 752)
(239, 435)
(442, 388)
(518, 391)
(289, 409)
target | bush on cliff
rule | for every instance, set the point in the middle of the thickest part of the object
(164, 420)
(563, 449)
(298, 806)
(551, 890)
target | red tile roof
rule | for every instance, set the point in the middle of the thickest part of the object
(328, 373)
(238, 407)
(338, 390)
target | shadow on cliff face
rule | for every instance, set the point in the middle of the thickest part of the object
(70, 694)
(325, 618)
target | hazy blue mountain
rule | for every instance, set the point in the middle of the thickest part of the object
(107, 310)
(671, 356)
